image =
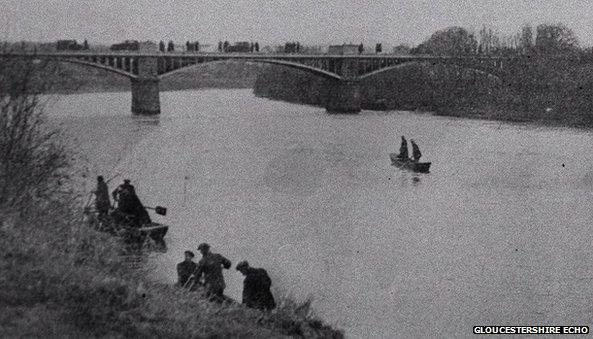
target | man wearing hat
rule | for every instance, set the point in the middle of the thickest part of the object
(185, 269)
(210, 268)
(129, 204)
(102, 202)
(256, 287)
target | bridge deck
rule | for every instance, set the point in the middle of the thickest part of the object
(265, 56)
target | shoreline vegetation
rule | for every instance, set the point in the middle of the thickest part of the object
(60, 277)
(450, 92)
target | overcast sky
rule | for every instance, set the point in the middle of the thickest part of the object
(276, 21)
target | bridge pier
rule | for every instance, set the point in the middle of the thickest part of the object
(343, 96)
(145, 96)
(145, 88)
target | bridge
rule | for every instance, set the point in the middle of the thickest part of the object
(343, 72)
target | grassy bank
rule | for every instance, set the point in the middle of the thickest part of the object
(60, 278)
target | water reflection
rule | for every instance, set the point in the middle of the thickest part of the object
(148, 120)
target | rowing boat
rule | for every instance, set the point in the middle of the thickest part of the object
(130, 234)
(409, 164)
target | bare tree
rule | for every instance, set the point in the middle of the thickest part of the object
(33, 160)
(526, 39)
(555, 39)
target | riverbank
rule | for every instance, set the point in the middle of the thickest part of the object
(62, 279)
(566, 99)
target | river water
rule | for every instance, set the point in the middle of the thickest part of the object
(498, 233)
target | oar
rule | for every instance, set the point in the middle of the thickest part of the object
(192, 279)
(158, 209)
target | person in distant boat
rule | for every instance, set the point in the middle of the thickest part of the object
(185, 269)
(256, 287)
(129, 206)
(102, 202)
(415, 151)
(403, 149)
(210, 269)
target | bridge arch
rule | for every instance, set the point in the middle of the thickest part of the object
(425, 62)
(294, 65)
(97, 65)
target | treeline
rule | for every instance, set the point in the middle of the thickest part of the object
(545, 39)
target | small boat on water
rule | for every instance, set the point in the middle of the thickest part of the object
(409, 164)
(130, 234)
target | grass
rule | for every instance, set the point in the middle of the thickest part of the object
(63, 279)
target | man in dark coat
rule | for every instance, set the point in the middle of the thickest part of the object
(185, 269)
(403, 149)
(102, 202)
(128, 203)
(124, 194)
(256, 287)
(210, 269)
(415, 151)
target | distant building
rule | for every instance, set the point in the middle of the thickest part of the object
(128, 45)
(69, 45)
(344, 49)
(240, 47)
(134, 45)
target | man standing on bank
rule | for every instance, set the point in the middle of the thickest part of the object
(185, 270)
(256, 287)
(102, 202)
(210, 267)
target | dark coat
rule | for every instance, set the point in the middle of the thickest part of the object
(124, 194)
(403, 149)
(416, 152)
(256, 289)
(129, 203)
(184, 270)
(102, 202)
(210, 267)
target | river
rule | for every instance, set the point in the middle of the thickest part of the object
(499, 233)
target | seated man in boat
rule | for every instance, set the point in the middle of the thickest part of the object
(403, 149)
(415, 152)
(129, 208)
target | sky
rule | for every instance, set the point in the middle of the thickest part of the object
(276, 21)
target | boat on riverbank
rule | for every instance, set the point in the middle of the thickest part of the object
(409, 164)
(130, 234)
